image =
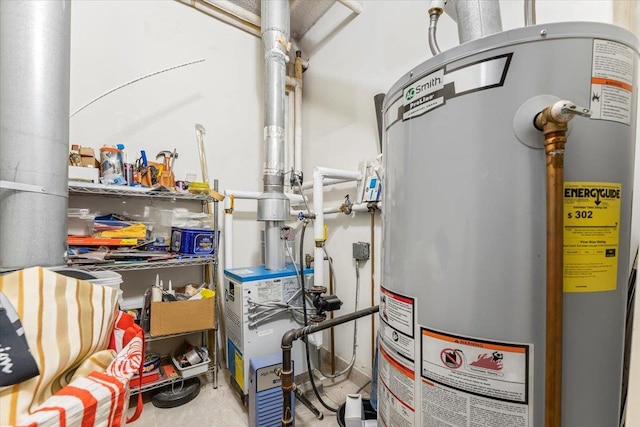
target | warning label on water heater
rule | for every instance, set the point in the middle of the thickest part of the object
(611, 81)
(591, 236)
(472, 382)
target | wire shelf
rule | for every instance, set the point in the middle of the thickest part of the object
(118, 191)
(131, 266)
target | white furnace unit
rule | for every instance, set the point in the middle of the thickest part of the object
(260, 306)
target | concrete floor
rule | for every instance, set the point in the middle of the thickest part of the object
(222, 407)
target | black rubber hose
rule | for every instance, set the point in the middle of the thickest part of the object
(304, 311)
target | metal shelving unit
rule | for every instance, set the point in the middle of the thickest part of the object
(148, 265)
(124, 191)
(209, 263)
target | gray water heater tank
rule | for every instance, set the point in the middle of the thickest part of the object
(464, 231)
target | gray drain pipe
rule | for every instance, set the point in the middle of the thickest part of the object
(273, 205)
(286, 374)
(34, 132)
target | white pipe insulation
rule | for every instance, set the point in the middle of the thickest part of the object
(326, 182)
(319, 175)
(359, 207)
(291, 150)
(295, 125)
(228, 240)
(297, 148)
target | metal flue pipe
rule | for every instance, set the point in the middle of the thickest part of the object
(289, 337)
(273, 205)
(34, 131)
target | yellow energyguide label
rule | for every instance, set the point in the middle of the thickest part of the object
(591, 236)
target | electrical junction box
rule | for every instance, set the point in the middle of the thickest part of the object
(255, 322)
(361, 251)
(265, 393)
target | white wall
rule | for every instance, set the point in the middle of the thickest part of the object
(367, 57)
(114, 42)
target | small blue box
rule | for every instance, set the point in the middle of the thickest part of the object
(192, 241)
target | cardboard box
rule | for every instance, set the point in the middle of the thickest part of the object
(88, 157)
(182, 316)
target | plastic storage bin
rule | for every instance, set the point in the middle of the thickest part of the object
(192, 371)
(80, 222)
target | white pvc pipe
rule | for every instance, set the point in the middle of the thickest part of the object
(355, 6)
(292, 118)
(360, 207)
(309, 184)
(297, 163)
(228, 240)
(215, 12)
(319, 175)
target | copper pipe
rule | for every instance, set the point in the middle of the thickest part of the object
(333, 353)
(554, 149)
(552, 121)
(373, 264)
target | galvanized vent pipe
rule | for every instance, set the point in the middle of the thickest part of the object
(34, 131)
(273, 205)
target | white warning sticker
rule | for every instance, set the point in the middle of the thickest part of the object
(612, 73)
(269, 291)
(471, 382)
(396, 400)
(396, 329)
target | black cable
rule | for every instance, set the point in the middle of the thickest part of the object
(304, 309)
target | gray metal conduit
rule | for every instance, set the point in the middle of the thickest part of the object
(434, 14)
(273, 205)
(529, 12)
(35, 44)
(289, 337)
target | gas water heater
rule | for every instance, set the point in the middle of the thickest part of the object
(462, 303)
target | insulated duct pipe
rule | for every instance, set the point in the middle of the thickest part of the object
(273, 205)
(552, 121)
(286, 375)
(34, 131)
(297, 164)
(477, 18)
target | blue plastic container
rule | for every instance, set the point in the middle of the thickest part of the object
(192, 241)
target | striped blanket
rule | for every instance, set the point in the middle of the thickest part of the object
(70, 326)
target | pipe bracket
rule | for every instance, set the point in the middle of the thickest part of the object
(18, 186)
